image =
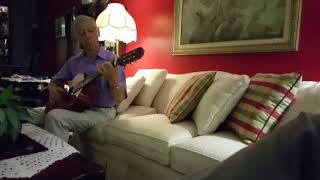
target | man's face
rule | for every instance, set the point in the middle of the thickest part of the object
(88, 35)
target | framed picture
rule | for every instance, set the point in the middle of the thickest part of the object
(235, 26)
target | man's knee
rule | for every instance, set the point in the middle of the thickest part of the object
(53, 117)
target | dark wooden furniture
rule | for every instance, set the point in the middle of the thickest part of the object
(34, 94)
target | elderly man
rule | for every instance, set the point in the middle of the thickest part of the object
(110, 87)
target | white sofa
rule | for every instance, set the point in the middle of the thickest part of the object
(141, 143)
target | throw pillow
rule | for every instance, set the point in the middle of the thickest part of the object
(171, 85)
(188, 96)
(218, 102)
(134, 85)
(265, 101)
(154, 80)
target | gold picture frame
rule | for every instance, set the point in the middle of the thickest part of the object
(235, 26)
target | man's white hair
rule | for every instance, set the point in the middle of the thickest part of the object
(78, 21)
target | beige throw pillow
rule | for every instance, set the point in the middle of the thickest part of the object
(218, 101)
(154, 80)
(134, 85)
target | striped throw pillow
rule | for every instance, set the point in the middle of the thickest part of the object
(263, 104)
(188, 96)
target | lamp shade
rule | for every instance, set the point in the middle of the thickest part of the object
(116, 24)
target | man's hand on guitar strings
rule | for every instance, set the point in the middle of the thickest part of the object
(56, 93)
(108, 71)
(77, 79)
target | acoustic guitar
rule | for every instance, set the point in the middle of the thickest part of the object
(71, 100)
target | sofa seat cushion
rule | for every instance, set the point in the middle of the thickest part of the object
(150, 136)
(202, 151)
(134, 111)
(96, 134)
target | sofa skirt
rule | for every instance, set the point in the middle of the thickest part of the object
(122, 164)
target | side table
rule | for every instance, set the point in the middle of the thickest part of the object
(34, 93)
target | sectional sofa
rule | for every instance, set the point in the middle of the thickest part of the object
(142, 143)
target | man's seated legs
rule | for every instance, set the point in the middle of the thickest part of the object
(37, 114)
(61, 122)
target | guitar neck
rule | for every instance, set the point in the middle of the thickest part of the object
(122, 61)
(87, 80)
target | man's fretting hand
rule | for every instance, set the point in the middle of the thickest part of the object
(108, 71)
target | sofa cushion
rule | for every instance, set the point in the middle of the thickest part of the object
(134, 111)
(307, 100)
(202, 151)
(96, 134)
(223, 74)
(150, 136)
(218, 101)
(188, 97)
(134, 85)
(154, 80)
(173, 83)
(266, 99)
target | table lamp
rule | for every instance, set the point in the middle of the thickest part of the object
(116, 24)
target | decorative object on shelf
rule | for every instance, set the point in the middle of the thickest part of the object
(4, 35)
(116, 24)
(60, 27)
(83, 2)
(12, 113)
(215, 26)
(93, 7)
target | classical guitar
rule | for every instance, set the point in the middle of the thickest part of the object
(84, 99)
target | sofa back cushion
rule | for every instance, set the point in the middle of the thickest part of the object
(134, 86)
(154, 80)
(306, 100)
(218, 102)
(188, 97)
(174, 82)
(265, 101)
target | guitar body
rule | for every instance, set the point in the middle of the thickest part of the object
(80, 101)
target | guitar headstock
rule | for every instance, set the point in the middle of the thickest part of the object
(130, 57)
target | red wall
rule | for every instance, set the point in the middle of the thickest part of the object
(154, 21)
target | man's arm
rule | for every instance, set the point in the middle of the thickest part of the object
(55, 87)
(112, 75)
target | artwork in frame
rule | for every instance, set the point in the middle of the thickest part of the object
(235, 26)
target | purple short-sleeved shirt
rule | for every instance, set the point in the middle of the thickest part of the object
(82, 64)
